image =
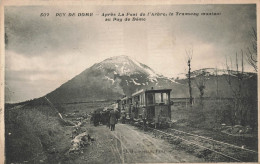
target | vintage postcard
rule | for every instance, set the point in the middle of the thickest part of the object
(129, 82)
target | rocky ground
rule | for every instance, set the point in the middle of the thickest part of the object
(128, 144)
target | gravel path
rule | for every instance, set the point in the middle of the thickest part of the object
(127, 144)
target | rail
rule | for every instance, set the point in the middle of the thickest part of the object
(224, 143)
(227, 156)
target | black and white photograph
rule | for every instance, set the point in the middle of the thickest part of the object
(137, 82)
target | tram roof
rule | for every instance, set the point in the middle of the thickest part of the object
(125, 98)
(151, 91)
(138, 92)
(158, 90)
(146, 91)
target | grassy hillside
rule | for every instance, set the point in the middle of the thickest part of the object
(215, 117)
(34, 134)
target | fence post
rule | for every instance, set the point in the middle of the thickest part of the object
(186, 103)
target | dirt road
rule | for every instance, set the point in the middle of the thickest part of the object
(128, 144)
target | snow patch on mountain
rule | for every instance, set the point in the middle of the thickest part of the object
(108, 78)
(135, 82)
(127, 82)
(212, 72)
(147, 69)
(152, 79)
(173, 81)
(141, 75)
(125, 65)
(99, 66)
(124, 70)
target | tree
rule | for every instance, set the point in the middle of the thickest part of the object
(233, 78)
(201, 85)
(252, 51)
(216, 74)
(189, 54)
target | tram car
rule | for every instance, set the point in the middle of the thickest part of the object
(125, 104)
(156, 103)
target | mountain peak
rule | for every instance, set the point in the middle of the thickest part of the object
(116, 58)
(125, 65)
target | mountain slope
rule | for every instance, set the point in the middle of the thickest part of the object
(109, 80)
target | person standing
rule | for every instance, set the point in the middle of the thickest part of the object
(144, 117)
(158, 120)
(108, 118)
(123, 116)
(112, 120)
(95, 120)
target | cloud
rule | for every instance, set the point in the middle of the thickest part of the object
(32, 35)
(44, 52)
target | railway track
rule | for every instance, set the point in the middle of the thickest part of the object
(207, 148)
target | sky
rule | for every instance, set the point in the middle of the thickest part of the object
(41, 53)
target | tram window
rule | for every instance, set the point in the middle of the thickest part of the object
(137, 98)
(165, 98)
(150, 98)
(130, 101)
(158, 98)
(161, 98)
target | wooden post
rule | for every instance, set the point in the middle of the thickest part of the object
(190, 90)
